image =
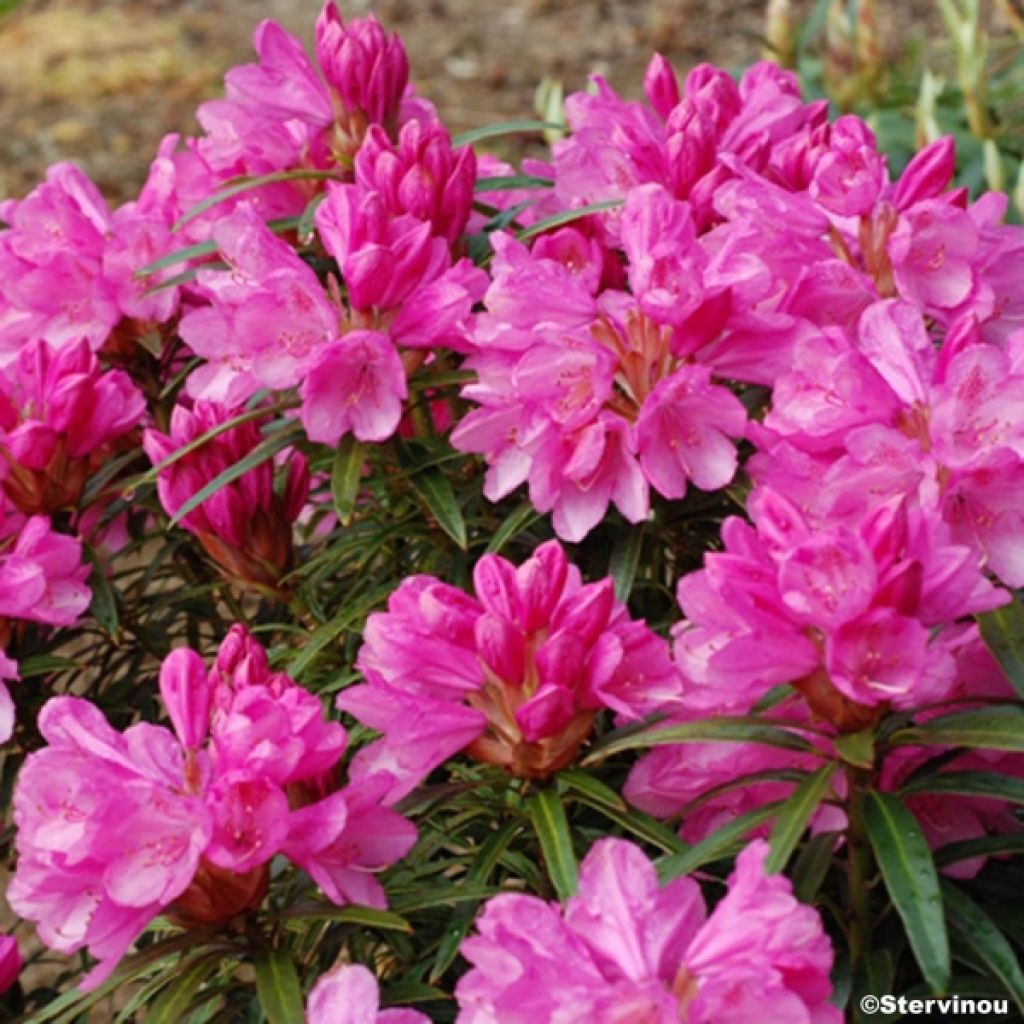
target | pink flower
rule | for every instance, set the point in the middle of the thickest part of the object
(854, 618)
(515, 674)
(115, 828)
(349, 994)
(8, 673)
(42, 577)
(625, 949)
(266, 321)
(246, 526)
(10, 962)
(422, 175)
(356, 385)
(850, 175)
(61, 417)
(593, 399)
(51, 264)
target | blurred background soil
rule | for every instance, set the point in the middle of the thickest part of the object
(101, 81)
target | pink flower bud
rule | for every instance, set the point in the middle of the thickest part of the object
(928, 175)
(661, 85)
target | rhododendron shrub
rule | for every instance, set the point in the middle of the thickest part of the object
(433, 588)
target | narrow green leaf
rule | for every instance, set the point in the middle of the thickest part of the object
(1002, 629)
(638, 824)
(494, 131)
(446, 896)
(260, 454)
(996, 728)
(248, 185)
(184, 277)
(186, 449)
(277, 984)
(984, 846)
(998, 787)
(173, 1002)
(812, 864)
(103, 607)
(980, 934)
(513, 524)
(435, 491)
(461, 921)
(567, 217)
(44, 664)
(192, 252)
(510, 183)
(306, 227)
(352, 913)
(552, 829)
(909, 872)
(624, 560)
(857, 748)
(598, 793)
(715, 845)
(794, 816)
(346, 474)
(725, 729)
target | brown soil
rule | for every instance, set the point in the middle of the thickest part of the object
(101, 81)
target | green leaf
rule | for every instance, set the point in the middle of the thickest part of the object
(1002, 629)
(513, 524)
(857, 748)
(552, 829)
(435, 491)
(248, 185)
(461, 921)
(737, 729)
(715, 845)
(196, 443)
(352, 913)
(624, 560)
(812, 864)
(192, 252)
(597, 792)
(997, 728)
(346, 474)
(998, 787)
(494, 131)
(984, 846)
(277, 984)
(175, 999)
(44, 664)
(909, 872)
(260, 454)
(979, 933)
(511, 182)
(306, 227)
(567, 217)
(103, 606)
(796, 812)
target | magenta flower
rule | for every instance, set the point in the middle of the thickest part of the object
(8, 673)
(115, 828)
(266, 321)
(624, 949)
(594, 398)
(422, 176)
(61, 417)
(515, 674)
(856, 617)
(246, 526)
(10, 962)
(889, 415)
(42, 578)
(349, 994)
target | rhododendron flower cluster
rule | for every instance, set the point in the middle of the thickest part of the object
(626, 949)
(335, 380)
(115, 828)
(60, 418)
(516, 674)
